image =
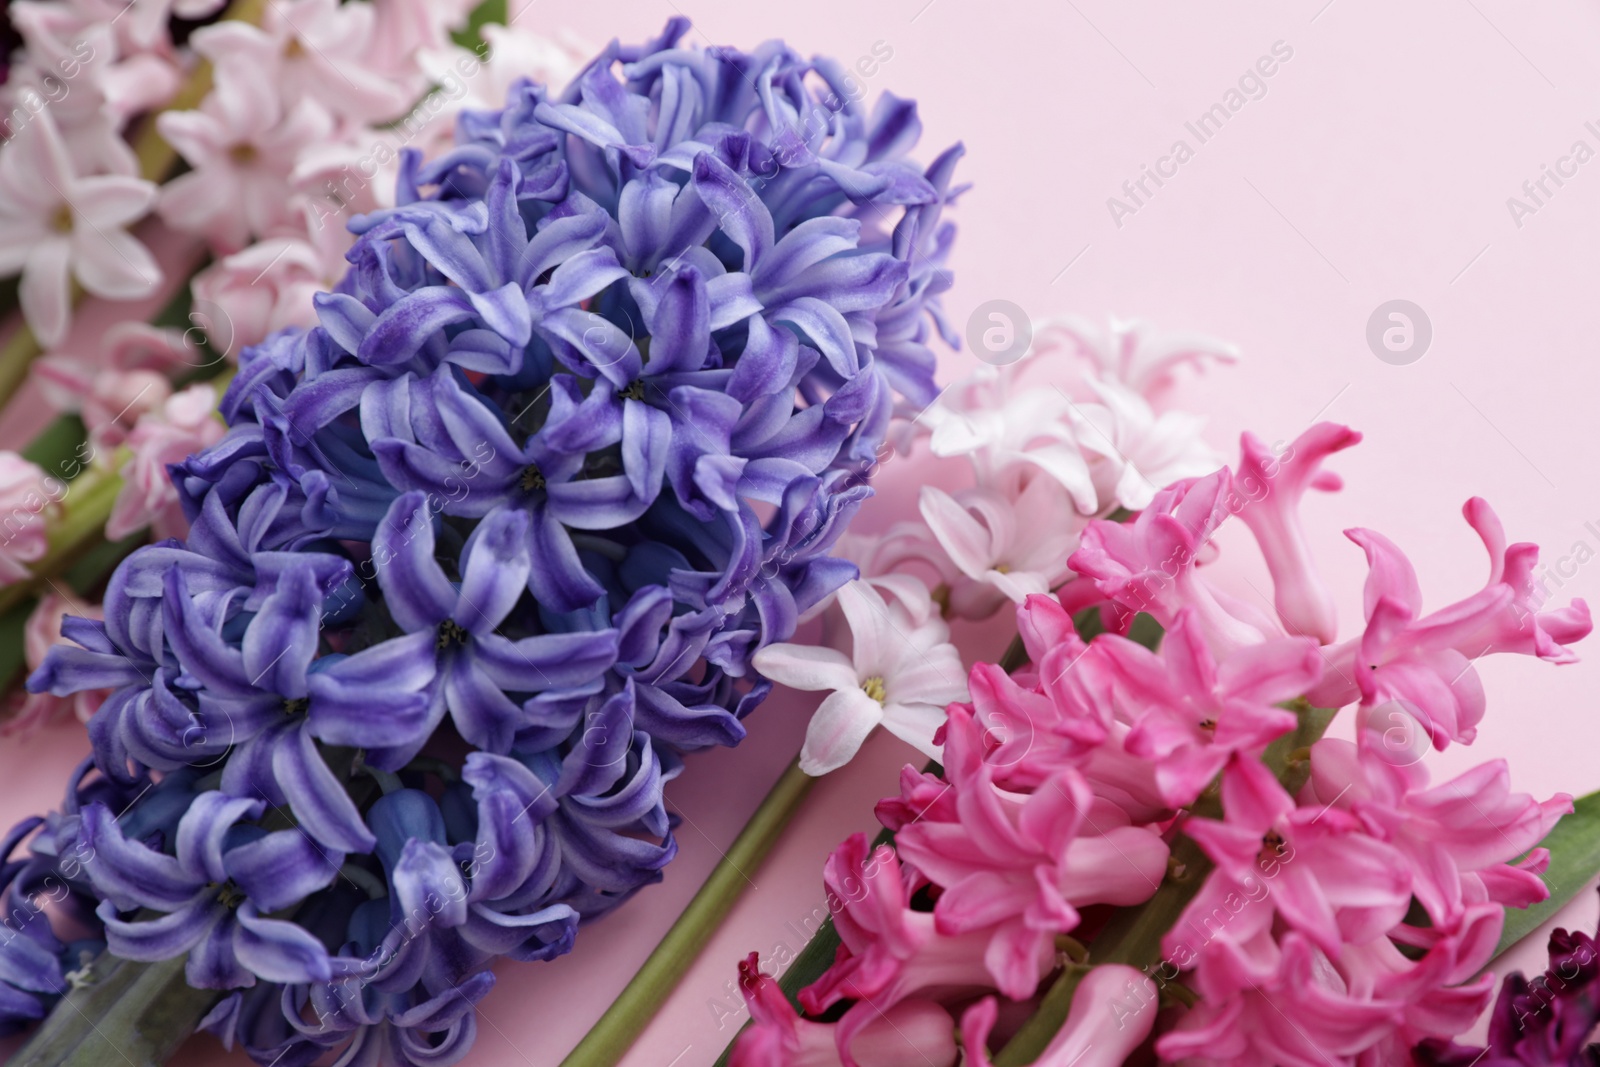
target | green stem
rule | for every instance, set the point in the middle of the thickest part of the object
(136, 1013)
(82, 525)
(614, 1034)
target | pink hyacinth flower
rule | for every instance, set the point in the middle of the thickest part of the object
(1020, 865)
(1197, 712)
(1459, 838)
(185, 424)
(56, 225)
(27, 499)
(42, 632)
(1149, 564)
(1314, 867)
(1260, 1004)
(1424, 663)
(889, 952)
(913, 1033)
(1113, 1010)
(241, 143)
(113, 389)
(1272, 486)
(262, 289)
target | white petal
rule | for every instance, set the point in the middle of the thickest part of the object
(837, 730)
(964, 539)
(111, 201)
(113, 264)
(931, 677)
(807, 667)
(915, 724)
(871, 628)
(46, 301)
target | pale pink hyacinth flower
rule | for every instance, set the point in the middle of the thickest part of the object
(1132, 352)
(913, 1033)
(1132, 450)
(185, 425)
(998, 423)
(56, 225)
(262, 289)
(901, 673)
(242, 143)
(75, 65)
(111, 391)
(483, 79)
(1005, 546)
(402, 28)
(27, 500)
(1113, 1010)
(317, 52)
(30, 711)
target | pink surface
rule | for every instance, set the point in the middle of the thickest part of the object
(1376, 166)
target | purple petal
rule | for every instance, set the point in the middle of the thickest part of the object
(557, 242)
(212, 963)
(128, 873)
(808, 244)
(680, 327)
(406, 325)
(278, 951)
(281, 641)
(415, 590)
(548, 661)
(282, 868)
(738, 210)
(427, 885)
(345, 318)
(317, 798)
(540, 935)
(556, 577)
(202, 829)
(497, 564)
(826, 329)
(165, 937)
(486, 717)
(512, 805)
(505, 311)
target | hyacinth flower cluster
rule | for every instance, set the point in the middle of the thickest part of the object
(288, 118)
(1044, 461)
(488, 549)
(1157, 834)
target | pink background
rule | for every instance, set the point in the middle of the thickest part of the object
(1377, 166)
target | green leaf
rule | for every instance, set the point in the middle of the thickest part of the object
(1574, 845)
(11, 623)
(55, 450)
(470, 35)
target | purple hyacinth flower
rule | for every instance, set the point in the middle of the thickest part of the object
(277, 707)
(454, 624)
(212, 889)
